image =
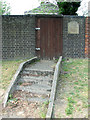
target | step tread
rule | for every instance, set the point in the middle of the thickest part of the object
(30, 97)
(30, 69)
(36, 72)
(37, 90)
(28, 82)
(36, 86)
(36, 99)
(35, 79)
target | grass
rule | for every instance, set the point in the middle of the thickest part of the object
(70, 107)
(8, 70)
(74, 82)
(43, 109)
(78, 77)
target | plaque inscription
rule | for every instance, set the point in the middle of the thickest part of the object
(73, 27)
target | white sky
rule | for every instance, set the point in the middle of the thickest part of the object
(18, 7)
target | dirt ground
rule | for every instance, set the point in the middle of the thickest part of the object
(17, 108)
(22, 109)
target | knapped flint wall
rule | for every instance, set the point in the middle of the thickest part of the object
(18, 37)
(74, 41)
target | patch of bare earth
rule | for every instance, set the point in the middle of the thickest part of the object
(21, 109)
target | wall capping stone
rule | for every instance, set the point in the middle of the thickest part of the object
(14, 79)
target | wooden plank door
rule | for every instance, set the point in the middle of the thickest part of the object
(49, 37)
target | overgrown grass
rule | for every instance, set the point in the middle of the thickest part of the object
(77, 80)
(73, 88)
(8, 70)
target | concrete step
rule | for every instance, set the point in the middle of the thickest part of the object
(30, 97)
(31, 72)
(37, 89)
(41, 100)
(29, 83)
(36, 99)
(33, 79)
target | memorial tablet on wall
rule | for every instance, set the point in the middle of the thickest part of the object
(73, 27)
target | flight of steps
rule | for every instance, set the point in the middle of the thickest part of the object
(34, 85)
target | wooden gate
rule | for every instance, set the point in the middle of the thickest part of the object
(49, 37)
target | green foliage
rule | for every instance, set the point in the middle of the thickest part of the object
(70, 108)
(12, 100)
(4, 8)
(68, 8)
(42, 2)
(10, 96)
(43, 110)
(70, 100)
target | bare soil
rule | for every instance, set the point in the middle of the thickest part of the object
(21, 108)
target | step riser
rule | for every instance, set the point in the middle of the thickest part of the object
(35, 91)
(37, 73)
(34, 82)
(23, 80)
(39, 100)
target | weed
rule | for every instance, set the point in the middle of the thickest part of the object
(70, 100)
(89, 105)
(43, 115)
(63, 60)
(69, 109)
(79, 109)
(46, 102)
(12, 100)
(72, 93)
(43, 110)
(76, 83)
(10, 96)
(85, 105)
(20, 83)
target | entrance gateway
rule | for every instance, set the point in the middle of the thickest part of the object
(49, 36)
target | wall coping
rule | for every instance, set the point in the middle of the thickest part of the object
(44, 15)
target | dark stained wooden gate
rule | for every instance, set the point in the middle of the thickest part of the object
(49, 37)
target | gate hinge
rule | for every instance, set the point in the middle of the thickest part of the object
(37, 28)
(37, 48)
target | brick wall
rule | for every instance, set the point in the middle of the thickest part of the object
(87, 37)
(18, 37)
(74, 44)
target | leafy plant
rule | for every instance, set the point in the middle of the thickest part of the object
(10, 96)
(69, 109)
(68, 8)
(70, 100)
(4, 8)
(43, 110)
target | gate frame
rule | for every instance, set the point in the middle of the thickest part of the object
(38, 16)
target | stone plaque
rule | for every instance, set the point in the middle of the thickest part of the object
(73, 27)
